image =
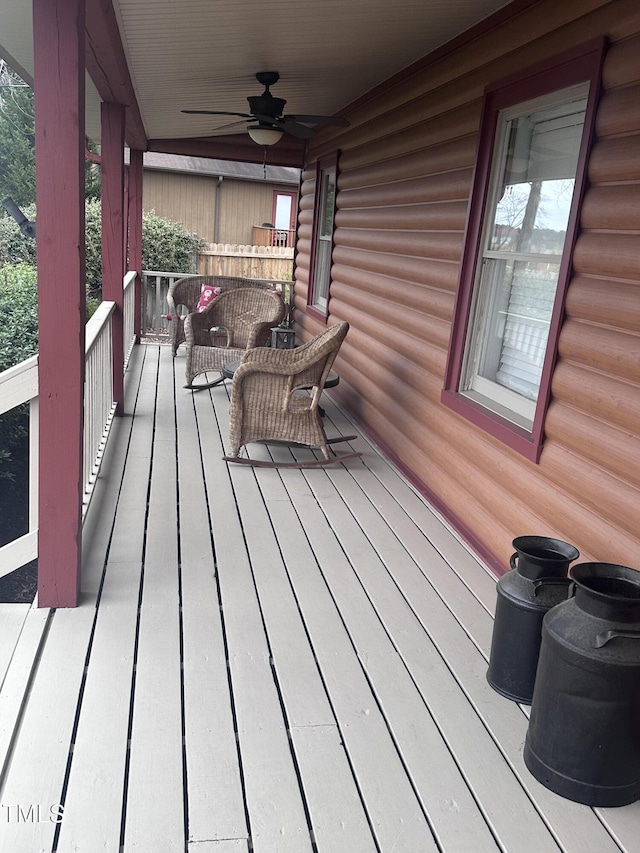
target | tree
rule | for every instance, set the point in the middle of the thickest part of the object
(17, 138)
(17, 143)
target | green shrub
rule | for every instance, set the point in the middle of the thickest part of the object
(18, 341)
(93, 244)
(18, 313)
(166, 246)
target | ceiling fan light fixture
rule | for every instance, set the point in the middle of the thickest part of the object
(265, 135)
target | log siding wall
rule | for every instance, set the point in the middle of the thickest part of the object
(405, 176)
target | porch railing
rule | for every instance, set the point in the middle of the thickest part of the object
(99, 407)
(129, 311)
(155, 286)
(19, 385)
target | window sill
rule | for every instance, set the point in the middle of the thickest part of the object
(317, 314)
(503, 430)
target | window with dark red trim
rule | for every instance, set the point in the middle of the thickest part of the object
(521, 229)
(322, 244)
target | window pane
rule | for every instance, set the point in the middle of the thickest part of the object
(327, 204)
(537, 172)
(532, 217)
(284, 203)
(513, 336)
(323, 265)
(324, 240)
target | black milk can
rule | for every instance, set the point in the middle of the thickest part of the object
(537, 581)
(583, 740)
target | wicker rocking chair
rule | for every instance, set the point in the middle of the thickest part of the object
(186, 292)
(268, 402)
(236, 320)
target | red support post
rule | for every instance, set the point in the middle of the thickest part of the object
(113, 253)
(59, 86)
(135, 231)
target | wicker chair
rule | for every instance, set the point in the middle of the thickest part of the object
(236, 320)
(186, 292)
(275, 398)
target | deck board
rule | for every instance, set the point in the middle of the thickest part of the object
(381, 778)
(214, 789)
(20, 669)
(12, 620)
(267, 661)
(273, 799)
(390, 801)
(155, 809)
(97, 771)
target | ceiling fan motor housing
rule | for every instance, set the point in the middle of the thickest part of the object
(266, 105)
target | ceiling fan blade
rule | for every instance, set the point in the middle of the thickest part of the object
(322, 121)
(286, 126)
(239, 123)
(300, 131)
(215, 113)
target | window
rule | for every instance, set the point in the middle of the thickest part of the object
(325, 203)
(520, 234)
(284, 209)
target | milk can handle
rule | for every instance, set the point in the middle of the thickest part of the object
(512, 560)
(551, 582)
(603, 638)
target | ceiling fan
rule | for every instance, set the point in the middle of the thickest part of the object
(266, 122)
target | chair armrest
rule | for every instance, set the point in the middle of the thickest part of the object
(284, 362)
(276, 362)
(259, 334)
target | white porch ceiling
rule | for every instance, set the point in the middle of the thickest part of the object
(199, 54)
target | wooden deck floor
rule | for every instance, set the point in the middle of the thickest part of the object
(267, 661)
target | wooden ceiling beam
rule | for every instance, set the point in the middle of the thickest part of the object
(107, 66)
(239, 147)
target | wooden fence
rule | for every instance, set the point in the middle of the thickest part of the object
(263, 262)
